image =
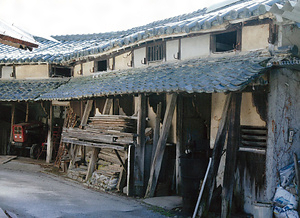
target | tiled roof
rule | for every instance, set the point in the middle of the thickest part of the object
(27, 90)
(207, 75)
(72, 47)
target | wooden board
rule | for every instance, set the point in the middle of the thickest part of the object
(6, 158)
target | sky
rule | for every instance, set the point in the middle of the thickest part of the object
(62, 17)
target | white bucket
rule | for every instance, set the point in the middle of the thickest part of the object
(263, 210)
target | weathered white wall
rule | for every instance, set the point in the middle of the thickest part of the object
(255, 37)
(139, 55)
(249, 115)
(32, 71)
(172, 48)
(195, 46)
(7, 71)
(290, 35)
(283, 114)
(77, 70)
(88, 68)
(123, 61)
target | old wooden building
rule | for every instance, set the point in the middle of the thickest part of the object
(219, 83)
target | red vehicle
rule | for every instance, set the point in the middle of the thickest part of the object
(28, 138)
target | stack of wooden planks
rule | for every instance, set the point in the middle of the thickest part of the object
(104, 131)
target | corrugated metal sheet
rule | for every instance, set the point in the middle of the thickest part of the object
(208, 75)
(27, 90)
(71, 47)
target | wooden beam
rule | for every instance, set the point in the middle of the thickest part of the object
(92, 163)
(107, 106)
(179, 141)
(12, 121)
(120, 159)
(216, 157)
(156, 129)
(86, 113)
(49, 137)
(158, 157)
(27, 112)
(231, 154)
(139, 157)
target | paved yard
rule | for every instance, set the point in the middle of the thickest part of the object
(28, 192)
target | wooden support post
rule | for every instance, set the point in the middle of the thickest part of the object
(139, 157)
(12, 122)
(86, 113)
(179, 139)
(49, 137)
(231, 154)
(95, 151)
(158, 157)
(120, 159)
(73, 152)
(215, 162)
(27, 112)
(156, 129)
(297, 177)
(93, 162)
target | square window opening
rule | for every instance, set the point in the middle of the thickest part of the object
(102, 65)
(155, 52)
(226, 42)
(61, 72)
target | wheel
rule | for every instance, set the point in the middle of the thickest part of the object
(35, 151)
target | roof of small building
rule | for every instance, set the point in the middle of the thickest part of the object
(73, 47)
(207, 75)
(27, 90)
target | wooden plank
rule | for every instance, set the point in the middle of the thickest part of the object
(6, 158)
(49, 137)
(92, 163)
(216, 157)
(179, 142)
(255, 144)
(90, 144)
(120, 159)
(158, 157)
(12, 121)
(86, 113)
(231, 154)
(139, 157)
(254, 137)
(253, 150)
(156, 129)
(107, 106)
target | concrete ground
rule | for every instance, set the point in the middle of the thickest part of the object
(26, 191)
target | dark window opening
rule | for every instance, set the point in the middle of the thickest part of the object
(102, 65)
(226, 41)
(61, 72)
(155, 52)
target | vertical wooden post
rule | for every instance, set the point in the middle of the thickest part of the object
(156, 129)
(139, 158)
(158, 157)
(12, 122)
(49, 137)
(86, 113)
(27, 112)
(231, 154)
(216, 157)
(179, 135)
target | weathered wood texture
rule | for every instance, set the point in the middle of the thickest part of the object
(156, 129)
(93, 162)
(231, 154)
(216, 157)
(158, 157)
(139, 158)
(49, 137)
(86, 113)
(179, 139)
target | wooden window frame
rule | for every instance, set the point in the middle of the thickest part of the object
(238, 45)
(154, 55)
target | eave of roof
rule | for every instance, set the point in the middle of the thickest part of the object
(208, 75)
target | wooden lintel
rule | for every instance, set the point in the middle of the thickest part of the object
(216, 158)
(158, 157)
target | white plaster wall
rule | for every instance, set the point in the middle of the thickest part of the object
(195, 46)
(139, 55)
(290, 35)
(172, 48)
(249, 115)
(77, 70)
(6, 72)
(88, 68)
(32, 71)
(123, 61)
(283, 114)
(255, 37)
